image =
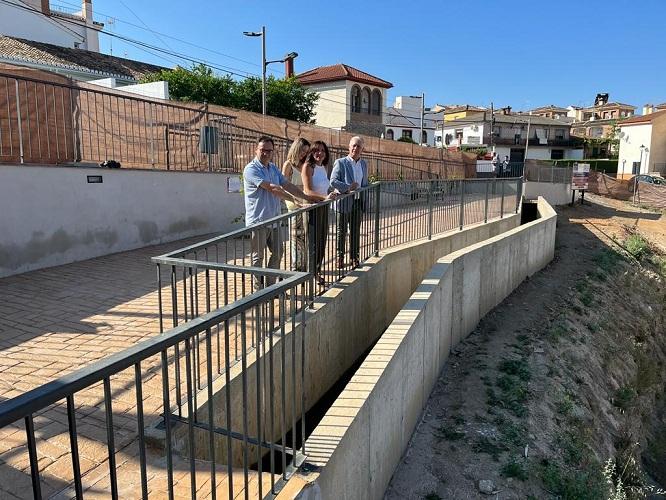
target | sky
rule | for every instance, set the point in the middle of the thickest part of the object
(515, 53)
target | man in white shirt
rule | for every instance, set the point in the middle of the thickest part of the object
(350, 174)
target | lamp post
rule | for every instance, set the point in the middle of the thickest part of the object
(640, 163)
(265, 63)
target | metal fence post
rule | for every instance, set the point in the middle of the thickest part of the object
(377, 198)
(462, 203)
(502, 202)
(485, 208)
(18, 114)
(519, 192)
(430, 208)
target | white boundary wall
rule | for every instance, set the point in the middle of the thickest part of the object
(52, 215)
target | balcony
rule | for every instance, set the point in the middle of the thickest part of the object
(561, 143)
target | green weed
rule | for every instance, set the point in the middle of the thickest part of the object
(514, 468)
(637, 246)
(624, 397)
(490, 446)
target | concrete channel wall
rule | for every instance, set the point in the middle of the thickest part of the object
(362, 437)
(56, 215)
(341, 327)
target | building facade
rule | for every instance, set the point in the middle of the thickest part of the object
(508, 135)
(403, 119)
(349, 99)
(37, 21)
(642, 145)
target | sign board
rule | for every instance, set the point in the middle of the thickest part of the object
(234, 184)
(581, 176)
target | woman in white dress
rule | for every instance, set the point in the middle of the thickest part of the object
(291, 169)
(316, 185)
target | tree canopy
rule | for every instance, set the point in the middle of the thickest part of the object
(284, 98)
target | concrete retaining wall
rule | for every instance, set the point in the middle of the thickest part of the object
(53, 216)
(343, 325)
(360, 441)
(554, 193)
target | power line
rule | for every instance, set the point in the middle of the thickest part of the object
(141, 21)
(181, 41)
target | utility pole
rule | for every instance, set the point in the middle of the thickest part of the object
(527, 142)
(263, 70)
(422, 117)
(492, 125)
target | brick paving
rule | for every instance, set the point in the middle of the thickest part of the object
(56, 320)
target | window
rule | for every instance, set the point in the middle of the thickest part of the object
(459, 135)
(389, 134)
(559, 134)
(365, 101)
(516, 138)
(424, 137)
(407, 134)
(497, 130)
(557, 154)
(438, 138)
(356, 99)
(376, 106)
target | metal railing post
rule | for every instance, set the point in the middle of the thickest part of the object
(485, 208)
(502, 202)
(519, 192)
(377, 218)
(18, 115)
(430, 208)
(462, 203)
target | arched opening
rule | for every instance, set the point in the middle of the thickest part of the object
(424, 137)
(389, 134)
(356, 99)
(365, 100)
(376, 105)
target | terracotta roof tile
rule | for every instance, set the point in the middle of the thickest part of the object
(642, 118)
(18, 49)
(338, 72)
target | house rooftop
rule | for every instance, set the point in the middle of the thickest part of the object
(19, 51)
(512, 118)
(338, 72)
(642, 119)
(609, 105)
(550, 107)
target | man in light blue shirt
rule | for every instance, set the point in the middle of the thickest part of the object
(264, 186)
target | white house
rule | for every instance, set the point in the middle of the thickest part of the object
(548, 139)
(403, 119)
(349, 99)
(642, 145)
(35, 20)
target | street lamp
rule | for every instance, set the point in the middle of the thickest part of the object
(265, 63)
(640, 160)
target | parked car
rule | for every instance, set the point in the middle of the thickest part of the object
(649, 179)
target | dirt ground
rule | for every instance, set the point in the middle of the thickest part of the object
(533, 384)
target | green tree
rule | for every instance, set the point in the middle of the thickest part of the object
(284, 98)
(407, 139)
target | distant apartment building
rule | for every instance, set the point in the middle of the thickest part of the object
(452, 112)
(551, 111)
(38, 21)
(349, 99)
(507, 135)
(403, 119)
(642, 145)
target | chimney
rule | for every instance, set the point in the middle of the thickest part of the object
(288, 67)
(86, 10)
(647, 109)
(46, 9)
